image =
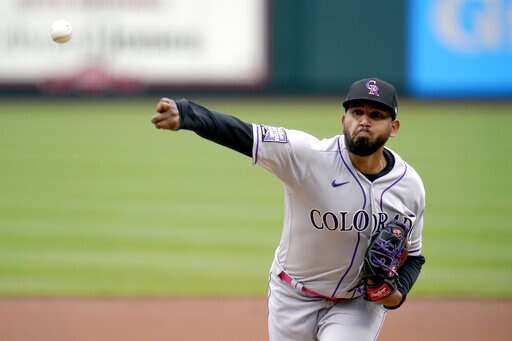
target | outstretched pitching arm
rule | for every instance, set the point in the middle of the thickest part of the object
(223, 129)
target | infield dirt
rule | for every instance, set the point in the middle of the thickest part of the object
(228, 319)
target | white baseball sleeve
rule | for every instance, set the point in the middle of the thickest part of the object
(283, 152)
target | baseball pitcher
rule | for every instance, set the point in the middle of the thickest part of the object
(350, 248)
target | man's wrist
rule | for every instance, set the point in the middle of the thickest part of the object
(392, 300)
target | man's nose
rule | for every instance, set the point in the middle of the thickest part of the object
(365, 120)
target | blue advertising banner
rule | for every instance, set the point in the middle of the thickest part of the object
(460, 48)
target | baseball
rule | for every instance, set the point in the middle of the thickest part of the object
(61, 31)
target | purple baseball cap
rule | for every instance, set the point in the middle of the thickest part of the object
(373, 89)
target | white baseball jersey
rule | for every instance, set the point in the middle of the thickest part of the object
(331, 209)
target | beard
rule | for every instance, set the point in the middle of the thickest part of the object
(362, 146)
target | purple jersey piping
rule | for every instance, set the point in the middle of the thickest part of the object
(410, 232)
(394, 183)
(352, 173)
(269, 293)
(257, 143)
(358, 233)
(380, 326)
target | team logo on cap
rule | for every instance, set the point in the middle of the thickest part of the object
(372, 87)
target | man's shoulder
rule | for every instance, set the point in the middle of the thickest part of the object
(304, 140)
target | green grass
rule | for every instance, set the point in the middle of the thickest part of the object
(97, 202)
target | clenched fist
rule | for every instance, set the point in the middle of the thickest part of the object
(168, 116)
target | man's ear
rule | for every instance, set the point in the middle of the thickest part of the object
(395, 125)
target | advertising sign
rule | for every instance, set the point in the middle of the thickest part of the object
(460, 48)
(120, 44)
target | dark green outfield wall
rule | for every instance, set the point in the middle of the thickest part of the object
(322, 46)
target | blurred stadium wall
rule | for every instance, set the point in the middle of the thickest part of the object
(436, 48)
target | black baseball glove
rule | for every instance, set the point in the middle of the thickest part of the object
(386, 253)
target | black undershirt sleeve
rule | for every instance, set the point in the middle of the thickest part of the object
(407, 275)
(223, 129)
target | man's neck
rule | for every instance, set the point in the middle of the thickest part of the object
(371, 164)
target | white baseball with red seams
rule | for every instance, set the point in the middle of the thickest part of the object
(331, 211)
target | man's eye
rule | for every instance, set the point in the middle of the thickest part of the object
(358, 112)
(376, 115)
